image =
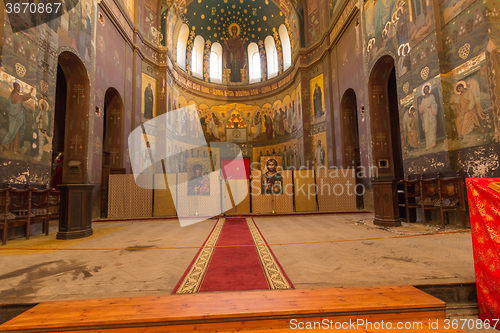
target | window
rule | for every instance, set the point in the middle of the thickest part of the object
(197, 57)
(285, 44)
(272, 57)
(254, 63)
(181, 46)
(216, 63)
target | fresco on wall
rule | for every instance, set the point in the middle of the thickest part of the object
(148, 106)
(317, 96)
(238, 122)
(25, 122)
(288, 152)
(313, 27)
(420, 19)
(147, 16)
(128, 5)
(320, 157)
(451, 8)
(468, 105)
(423, 122)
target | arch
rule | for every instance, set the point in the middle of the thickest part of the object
(197, 57)
(216, 63)
(112, 141)
(285, 45)
(272, 57)
(384, 119)
(181, 46)
(254, 63)
(351, 155)
(75, 136)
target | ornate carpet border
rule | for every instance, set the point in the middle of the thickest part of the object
(193, 279)
(274, 274)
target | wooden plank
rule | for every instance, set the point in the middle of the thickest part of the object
(227, 306)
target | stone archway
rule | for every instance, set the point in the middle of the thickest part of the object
(113, 142)
(384, 119)
(351, 157)
(72, 108)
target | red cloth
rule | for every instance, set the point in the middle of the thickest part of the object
(484, 207)
(232, 169)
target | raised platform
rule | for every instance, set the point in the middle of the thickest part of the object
(242, 311)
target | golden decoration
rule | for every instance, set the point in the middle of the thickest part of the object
(20, 70)
(44, 86)
(202, 16)
(406, 87)
(463, 52)
(424, 73)
(264, 18)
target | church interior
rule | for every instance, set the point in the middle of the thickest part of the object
(278, 159)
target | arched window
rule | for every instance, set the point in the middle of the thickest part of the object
(254, 63)
(197, 57)
(216, 63)
(181, 46)
(285, 44)
(272, 57)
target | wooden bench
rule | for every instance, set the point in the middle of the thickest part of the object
(443, 191)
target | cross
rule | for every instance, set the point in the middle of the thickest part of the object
(377, 93)
(114, 155)
(76, 140)
(115, 115)
(235, 149)
(78, 90)
(381, 136)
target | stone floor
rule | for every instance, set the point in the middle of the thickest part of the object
(138, 258)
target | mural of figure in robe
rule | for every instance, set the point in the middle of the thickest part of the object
(257, 125)
(319, 155)
(428, 111)
(271, 180)
(410, 129)
(148, 102)
(466, 104)
(17, 119)
(318, 101)
(235, 53)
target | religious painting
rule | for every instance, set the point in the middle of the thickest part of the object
(271, 177)
(198, 170)
(420, 19)
(430, 117)
(313, 26)
(316, 89)
(235, 52)
(452, 8)
(319, 146)
(24, 123)
(148, 106)
(468, 105)
(148, 152)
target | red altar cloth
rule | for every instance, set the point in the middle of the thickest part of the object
(484, 207)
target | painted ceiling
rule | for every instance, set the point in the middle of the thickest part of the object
(256, 19)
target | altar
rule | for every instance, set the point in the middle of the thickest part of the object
(236, 135)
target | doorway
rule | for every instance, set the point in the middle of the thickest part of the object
(350, 138)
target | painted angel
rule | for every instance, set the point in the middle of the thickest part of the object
(466, 104)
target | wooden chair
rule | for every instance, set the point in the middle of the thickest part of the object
(4, 213)
(430, 197)
(54, 203)
(40, 206)
(20, 208)
(451, 189)
(413, 196)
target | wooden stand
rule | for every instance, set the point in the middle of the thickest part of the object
(75, 220)
(385, 194)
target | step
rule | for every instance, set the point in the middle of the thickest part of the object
(230, 311)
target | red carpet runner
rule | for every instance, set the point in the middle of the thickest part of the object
(235, 256)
